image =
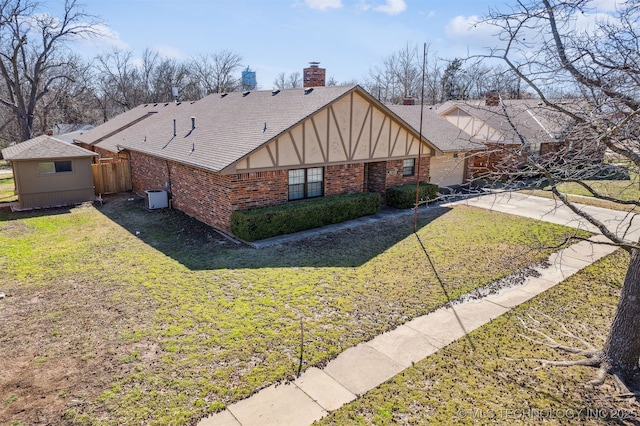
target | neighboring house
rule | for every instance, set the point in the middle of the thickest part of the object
(49, 172)
(492, 121)
(118, 124)
(69, 132)
(458, 147)
(237, 151)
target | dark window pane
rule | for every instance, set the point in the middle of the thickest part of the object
(296, 192)
(306, 183)
(408, 167)
(63, 166)
(314, 189)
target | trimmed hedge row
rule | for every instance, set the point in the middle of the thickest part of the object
(404, 197)
(256, 224)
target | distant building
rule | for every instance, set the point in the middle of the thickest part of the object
(249, 79)
(314, 76)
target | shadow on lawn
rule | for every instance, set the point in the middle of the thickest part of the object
(199, 247)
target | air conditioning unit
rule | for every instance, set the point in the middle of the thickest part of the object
(157, 199)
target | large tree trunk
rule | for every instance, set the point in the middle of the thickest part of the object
(621, 352)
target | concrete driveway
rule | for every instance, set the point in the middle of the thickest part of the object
(624, 225)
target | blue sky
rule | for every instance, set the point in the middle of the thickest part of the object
(347, 37)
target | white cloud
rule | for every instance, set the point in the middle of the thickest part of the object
(468, 33)
(462, 27)
(428, 15)
(104, 38)
(606, 5)
(170, 52)
(392, 7)
(323, 4)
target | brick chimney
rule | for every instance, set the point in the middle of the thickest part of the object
(313, 76)
(492, 98)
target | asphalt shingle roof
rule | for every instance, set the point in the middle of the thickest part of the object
(122, 121)
(436, 129)
(44, 147)
(535, 121)
(227, 126)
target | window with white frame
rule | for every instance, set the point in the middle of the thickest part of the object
(306, 183)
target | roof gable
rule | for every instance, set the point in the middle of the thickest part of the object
(533, 120)
(353, 128)
(436, 129)
(44, 147)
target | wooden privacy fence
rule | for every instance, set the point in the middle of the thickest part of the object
(110, 178)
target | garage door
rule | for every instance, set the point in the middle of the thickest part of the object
(447, 170)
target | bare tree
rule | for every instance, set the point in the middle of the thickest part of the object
(34, 55)
(545, 46)
(433, 75)
(291, 81)
(69, 100)
(216, 72)
(119, 82)
(123, 82)
(398, 77)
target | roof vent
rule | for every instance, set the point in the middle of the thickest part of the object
(308, 90)
(193, 123)
(275, 92)
(223, 95)
(245, 93)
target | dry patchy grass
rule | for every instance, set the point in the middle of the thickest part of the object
(6, 189)
(119, 315)
(621, 189)
(490, 377)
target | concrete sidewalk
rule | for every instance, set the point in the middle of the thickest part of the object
(624, 225)
(363, 367)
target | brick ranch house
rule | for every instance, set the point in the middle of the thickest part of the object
(236, 151)
(458, 148)
(490, 123)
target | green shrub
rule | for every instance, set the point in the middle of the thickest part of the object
(256, 224)
(404, 197)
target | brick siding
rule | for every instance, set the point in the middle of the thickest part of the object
(211, 197)
(344, 179)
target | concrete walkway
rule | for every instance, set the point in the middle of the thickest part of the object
(363, 367)
(625, 225)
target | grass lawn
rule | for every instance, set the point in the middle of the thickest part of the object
(622, 189)
(118, 315)
(491, 377)
(6, 189)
